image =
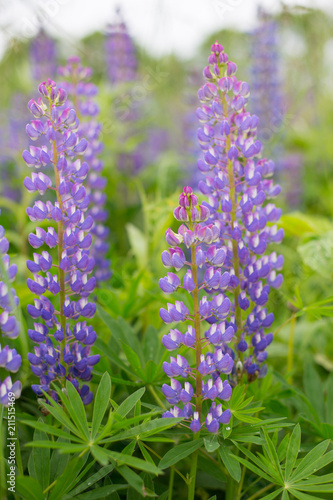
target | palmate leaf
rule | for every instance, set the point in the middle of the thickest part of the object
(297, 479)
(90, 481)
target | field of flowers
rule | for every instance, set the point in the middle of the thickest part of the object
(166, 266)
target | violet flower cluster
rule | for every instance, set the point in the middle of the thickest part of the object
(62, 335)
(120, 53)
(9, 326)
(199, 241)
(239, 187)
(43, 56)
(267, 98)
(81, 95)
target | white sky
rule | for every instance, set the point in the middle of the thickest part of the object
(160, 26)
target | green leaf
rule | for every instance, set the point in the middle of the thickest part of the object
(273, 495)
(67, 478)
(312, 386)
(41, 459)
(285, 495)
(329, 401)
(211, 443)
(76, 409)
(99, 454)
(253, 468)
(243, 417)
(310, 463)
(230, 463)
(325, 478)
(129, 403)
(144, 430)
(302, 496)
(134, 480)
(55, 431)
(29, 488)
(270, 448)
(282, 449)
(318, 254)
(101, 402)
(60, 415)
(102, 492)
(138, 243)
(137, 463)
(292, 452)
(59, 462)
(179, 452)
(90, 481)
(133, 360)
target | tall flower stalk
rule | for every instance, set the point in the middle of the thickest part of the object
(10, 360)
(43, 56)
(64, 341)
(239, 187)
(201, 401)
(81, 95)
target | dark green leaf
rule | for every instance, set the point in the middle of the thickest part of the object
(293, 450)
(230, 463)
(55, 431)
(308, 464)
(146, 429)
(101, 402)
(90, 481)
(67, 478)
(273, 495)
(312, 386)
(129, 403)
(41, 459)
(102, 492)
(76, 410)
(29, 488)
(133, 360)
(137, 463)
(302, 496)
(134, 480)
(179, 452)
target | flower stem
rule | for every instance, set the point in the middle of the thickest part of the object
(290, 358)
(193, 471)
(171, 481)
(61, 273)
(198, 347)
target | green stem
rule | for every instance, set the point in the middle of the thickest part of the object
(235, 256)
(171, 481)
(284, 324)
(193, 472)
(156, 396)
(260, 492)
(290, 358)
(241, 482)
(61, 273)
(230, 493)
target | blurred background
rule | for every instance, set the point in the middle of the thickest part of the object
(147, 60)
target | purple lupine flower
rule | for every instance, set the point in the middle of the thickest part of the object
(81, 95)
(209, 367)
(238, 185)
(64, 343)
(121, 60)
(10, 360)
(43, 56)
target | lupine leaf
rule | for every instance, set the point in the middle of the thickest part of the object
(307, 465)
(55, 431)
(101, 402)
(99, 455)
(58, 445)
(285, 495)
(329, 401)
(319, 488)
(137, 463)
(58, 462)
(273, 495)
(312, 386)
(133, 360)
(129, 403)
(29, 488)
(231, 464)
(41, 459)
(211, 443)
(292, 451)
(61, 416)
(282, 449)
(179, 452)
(245, 418)
(76, 409)
(134, 480)
(90, 481)
(302, 496)
(146, 429)
(64, 482)
(253, 468)
(269, 446)
(325, 478)
(102, 492)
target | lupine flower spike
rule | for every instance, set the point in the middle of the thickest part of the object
(209, 367)
(43, 56)
(64, 340)
(239, 188)
(9, 326)
(81, 94)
